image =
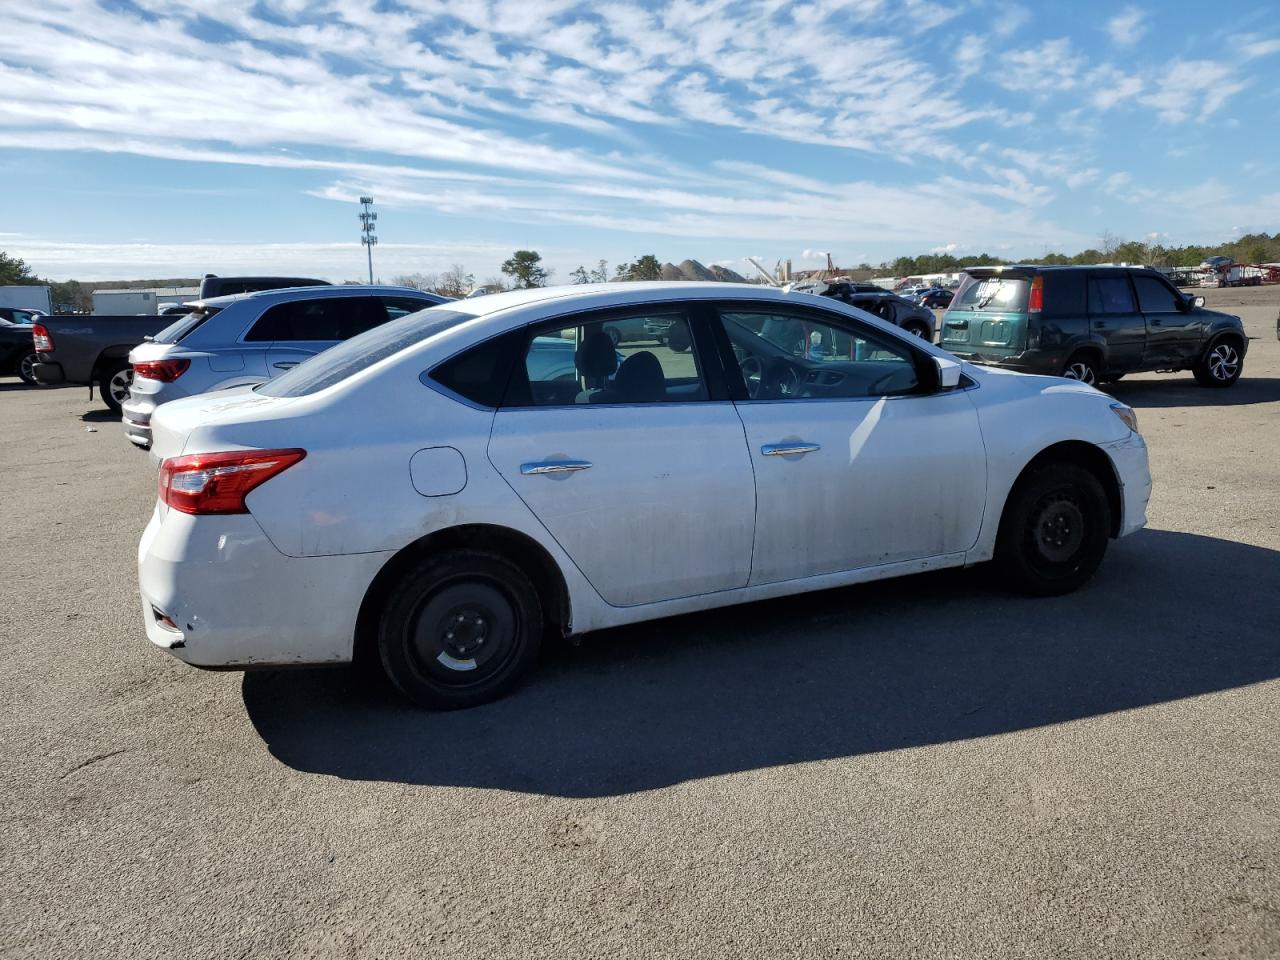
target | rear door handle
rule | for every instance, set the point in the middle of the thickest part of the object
(788, 449)
(541, 467)
(286, 364)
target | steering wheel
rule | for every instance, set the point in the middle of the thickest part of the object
(788, 381)
(753, 373)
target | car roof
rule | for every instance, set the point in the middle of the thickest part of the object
(311, 293)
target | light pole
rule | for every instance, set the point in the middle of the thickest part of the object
(367, 236)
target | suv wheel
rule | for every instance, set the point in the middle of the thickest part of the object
(461, 628)
(1054, 530)
(113, 386)
(1082, 367)
(1220, 366)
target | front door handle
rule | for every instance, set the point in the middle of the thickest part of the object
(554, 466)
(788, 449)
(286, 364)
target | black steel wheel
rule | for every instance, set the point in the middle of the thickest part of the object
(1054, 531)
(460, 629)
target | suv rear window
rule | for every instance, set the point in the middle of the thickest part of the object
(359, 353)
(996, 294)
(185, 326)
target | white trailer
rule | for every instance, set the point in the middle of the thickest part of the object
(27, 297)
(124, 302)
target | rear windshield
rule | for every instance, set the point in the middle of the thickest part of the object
(360, 352)
(997, 294)
(185, 325)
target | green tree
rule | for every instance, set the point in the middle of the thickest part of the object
(645, 268)
(526, 270)
(601, 273)
(14, 271)
(580, 275)
(455, 282)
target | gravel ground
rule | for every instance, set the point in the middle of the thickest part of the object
(924, 768)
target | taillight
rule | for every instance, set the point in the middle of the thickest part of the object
(166, 371)
(1035, 300)
(219, 482)
(43, 342)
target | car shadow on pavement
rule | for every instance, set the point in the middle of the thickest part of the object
(99, 416)
(1185, 392)
(923, 660)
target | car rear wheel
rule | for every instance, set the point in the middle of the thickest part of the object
(113, 385)
(1054, 531)
(27, 367)
(1082, 367)
(1220, 366)
(460, 629)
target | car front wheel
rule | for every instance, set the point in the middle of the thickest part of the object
(460, 629)
(1220, 366)
(1054, 531)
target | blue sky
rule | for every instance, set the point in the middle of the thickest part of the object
(175, 137)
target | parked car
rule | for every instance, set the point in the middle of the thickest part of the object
(17, 349)
(936, 298)
(91, 350)
(1090, 323)
(215, 286)
(422, 495)
(911, 317)
(248, 338)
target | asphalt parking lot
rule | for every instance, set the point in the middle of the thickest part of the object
(921, 768)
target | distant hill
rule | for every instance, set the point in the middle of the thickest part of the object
(693, 270)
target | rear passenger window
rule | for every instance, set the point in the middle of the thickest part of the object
(593, 364)
(1064, 293)
(331, 318)
(1154, 296)
(1110, 295)
(398, 307)
(481, 373)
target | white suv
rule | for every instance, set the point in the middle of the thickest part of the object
(245, 339)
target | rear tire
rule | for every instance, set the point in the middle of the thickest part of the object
(1082, 367)
(26, 368)
(1054, 531)
(1220, 365)
(461, 628)
(113, 385)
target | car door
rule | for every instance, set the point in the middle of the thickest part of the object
(1115, 319)
(298, 329)
(632, 459)
(858, 460)
(1173, 332)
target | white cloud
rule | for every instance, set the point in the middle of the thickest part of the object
(1049, 68)
(969, 53)
(1193, 90)
(946, 248)
(1127, 27)
(1260, 48)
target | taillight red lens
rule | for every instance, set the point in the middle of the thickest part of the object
(1035, 300)
(40, 336)
(219, 482)
(166, 371)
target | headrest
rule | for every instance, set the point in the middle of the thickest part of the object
(640, 379)
(595, 357)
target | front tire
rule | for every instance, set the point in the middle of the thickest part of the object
(113, 386)
(1220, 366)
(1054, 531)
(460, 629)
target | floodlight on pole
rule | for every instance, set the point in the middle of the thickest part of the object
(367, 237)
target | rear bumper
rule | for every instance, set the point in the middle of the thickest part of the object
(136, 414)
(49, 373)
(235, 601)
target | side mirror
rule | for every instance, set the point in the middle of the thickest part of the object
(948, 373)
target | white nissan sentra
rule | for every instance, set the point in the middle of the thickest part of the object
(444, 490)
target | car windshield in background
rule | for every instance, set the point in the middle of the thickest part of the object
(1003, 294)
(184, 325)
(360, 352)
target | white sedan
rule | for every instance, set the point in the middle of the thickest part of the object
(444, 490)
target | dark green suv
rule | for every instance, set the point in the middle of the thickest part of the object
(1090, 323)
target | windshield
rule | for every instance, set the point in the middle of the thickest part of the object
(1003, 294)
(184, 325)
(360, 352)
